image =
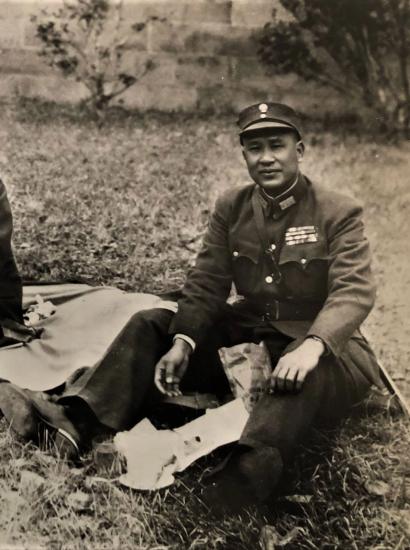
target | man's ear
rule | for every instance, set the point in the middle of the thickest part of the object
(300, 150)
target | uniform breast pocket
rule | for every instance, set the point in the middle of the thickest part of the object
(305, 269)
(245, 265)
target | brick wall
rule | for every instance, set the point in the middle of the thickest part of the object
(204, 56)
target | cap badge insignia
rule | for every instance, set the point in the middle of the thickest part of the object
(263, 108)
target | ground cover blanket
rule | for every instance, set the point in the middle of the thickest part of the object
(87, 319)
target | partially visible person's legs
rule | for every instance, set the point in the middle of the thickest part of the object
(117, 392)
(109, 396)
(282, 420)
(278, 423)
(117, 387)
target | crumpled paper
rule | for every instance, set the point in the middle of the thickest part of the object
(248, 369)
(153, 456)
(39, 311)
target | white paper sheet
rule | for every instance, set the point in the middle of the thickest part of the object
(153, 456)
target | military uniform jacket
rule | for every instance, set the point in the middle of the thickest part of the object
(10, 282)
(317, 241)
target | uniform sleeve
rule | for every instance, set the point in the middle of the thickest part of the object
(351, 289)
(208, 285)
(10, 281)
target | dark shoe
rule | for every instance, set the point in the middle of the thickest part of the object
(262, 468)
(56, 430)
(380, 401)
(248, 478)
(33, 416)
(17, 408)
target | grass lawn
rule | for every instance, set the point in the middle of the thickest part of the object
(126, 205)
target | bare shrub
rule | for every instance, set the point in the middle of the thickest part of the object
(90, 41)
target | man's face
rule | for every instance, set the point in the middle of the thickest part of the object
(272, 157)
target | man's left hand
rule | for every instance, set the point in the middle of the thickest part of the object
(293, 367)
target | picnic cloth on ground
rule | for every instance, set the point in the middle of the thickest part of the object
(86, 321)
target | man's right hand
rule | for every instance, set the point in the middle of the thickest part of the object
(171, 368)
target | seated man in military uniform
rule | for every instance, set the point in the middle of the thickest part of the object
(298, 257)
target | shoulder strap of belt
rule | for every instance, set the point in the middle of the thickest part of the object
(264, 238)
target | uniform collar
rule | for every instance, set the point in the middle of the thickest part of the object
(277, 206)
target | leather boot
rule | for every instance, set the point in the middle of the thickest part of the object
(17, 408)
(34, 417)
(56, 429)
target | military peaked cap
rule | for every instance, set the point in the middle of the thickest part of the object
(268, 115)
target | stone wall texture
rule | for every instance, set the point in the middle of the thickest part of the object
(204, 55)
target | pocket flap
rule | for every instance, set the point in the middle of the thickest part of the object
(245, 249)
(304, 253)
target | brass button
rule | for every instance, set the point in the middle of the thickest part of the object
(303, 261)
(235, 253)
(273, 246)
(269, 279)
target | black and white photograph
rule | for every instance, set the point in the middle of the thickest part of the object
(204, 274)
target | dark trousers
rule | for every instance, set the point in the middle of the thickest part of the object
(120, 388)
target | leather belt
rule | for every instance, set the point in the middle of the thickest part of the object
(277, 310)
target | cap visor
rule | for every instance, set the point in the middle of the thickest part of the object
(260, 125)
